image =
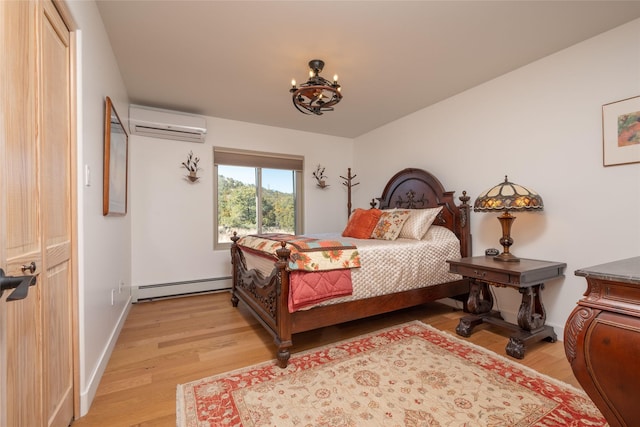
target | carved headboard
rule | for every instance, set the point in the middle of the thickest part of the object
(418, 189)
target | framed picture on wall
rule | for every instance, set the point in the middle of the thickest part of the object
(115, 163)
(621, 132)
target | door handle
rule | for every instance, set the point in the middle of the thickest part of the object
(19, 284)
(31, 267)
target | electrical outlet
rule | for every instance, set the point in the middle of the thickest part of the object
(113, 297)
(120, 286)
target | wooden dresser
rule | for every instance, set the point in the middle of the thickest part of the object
(602, 340)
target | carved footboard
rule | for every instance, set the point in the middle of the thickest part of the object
(266, 297)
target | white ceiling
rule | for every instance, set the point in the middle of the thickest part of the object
(236, 59)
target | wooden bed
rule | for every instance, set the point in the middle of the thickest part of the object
(266, 297)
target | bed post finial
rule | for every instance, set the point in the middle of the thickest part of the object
(464, 209)
(283, 255)
(465, 236)
(464, 198)
(373, 203)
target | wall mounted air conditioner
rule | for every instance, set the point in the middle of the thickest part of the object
(158, 123)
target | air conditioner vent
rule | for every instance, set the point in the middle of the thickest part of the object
(166, 124)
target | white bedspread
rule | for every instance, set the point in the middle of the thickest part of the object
(392, 266)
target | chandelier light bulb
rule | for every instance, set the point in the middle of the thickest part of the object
(293, 83)
(335, 78)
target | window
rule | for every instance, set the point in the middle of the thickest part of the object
(256, 192)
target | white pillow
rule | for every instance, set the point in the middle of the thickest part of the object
(418, 223)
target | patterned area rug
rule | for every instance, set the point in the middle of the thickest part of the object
(408, 375)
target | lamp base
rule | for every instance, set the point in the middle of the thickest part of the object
(506, 219)
(506, 257)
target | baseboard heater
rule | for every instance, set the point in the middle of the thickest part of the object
(176, 289)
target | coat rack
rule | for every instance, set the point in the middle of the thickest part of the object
(347, 182)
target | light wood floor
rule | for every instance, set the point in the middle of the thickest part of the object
(174, 341)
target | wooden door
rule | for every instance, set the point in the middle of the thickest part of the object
(36, 350)
(56, 279)
(20, 226)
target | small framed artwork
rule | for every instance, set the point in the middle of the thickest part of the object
(114, 202)
(621, 132)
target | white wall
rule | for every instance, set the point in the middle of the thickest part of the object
(541, 125)
(172, 219)
(104, 242)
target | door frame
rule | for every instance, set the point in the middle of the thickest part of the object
(65, 14)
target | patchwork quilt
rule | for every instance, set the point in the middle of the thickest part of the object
(320, 269)
(307, 253)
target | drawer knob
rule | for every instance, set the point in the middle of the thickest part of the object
(479, 273)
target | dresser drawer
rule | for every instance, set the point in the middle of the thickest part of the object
(481, 274)
(525, 273)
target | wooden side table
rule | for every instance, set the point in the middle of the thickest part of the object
(602, 340)
(528, 277)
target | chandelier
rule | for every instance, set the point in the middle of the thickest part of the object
(318, 94)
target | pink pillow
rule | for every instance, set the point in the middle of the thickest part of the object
(361, 223)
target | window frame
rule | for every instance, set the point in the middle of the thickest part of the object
(258, 160)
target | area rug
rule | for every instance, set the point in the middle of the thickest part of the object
(408, 375)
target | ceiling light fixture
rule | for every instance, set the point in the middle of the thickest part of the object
(318, 94)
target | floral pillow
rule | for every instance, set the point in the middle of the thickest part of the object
(361, 223)
(418, 223)
(390, 224)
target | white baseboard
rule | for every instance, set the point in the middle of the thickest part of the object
(165, 290)
(88, 394)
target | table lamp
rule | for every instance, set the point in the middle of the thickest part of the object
(507, 197)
